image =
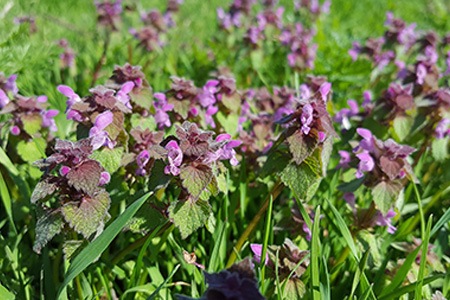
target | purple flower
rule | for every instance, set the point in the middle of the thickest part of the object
(72, 99)
(366, 164)
(324, 90)
(210, 112)
(47, 119)
(142, 159)
(162, 107)
(3, 99)
(421, 72)
(64, 170)
(15, 130)
(105, 178)
(226, 152)
(175, 157)
(355, 51)
(306, 118)
(345, 159)
(386, 220)
(122, 94)
(98, 136)
(442, 129)
(206, 97)
(350, 199)
(257, 253)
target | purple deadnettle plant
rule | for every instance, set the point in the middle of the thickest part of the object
(76, 181)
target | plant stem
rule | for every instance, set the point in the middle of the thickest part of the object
(276, 190)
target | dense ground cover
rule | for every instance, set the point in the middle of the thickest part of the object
(247, 149)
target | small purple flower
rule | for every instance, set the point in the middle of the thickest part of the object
(15, 130)
(257, 253)
(442, 129)
(64, 170)
(421, 73)
(72, 98)
(386, 220)
(210, 112)
(10, 84)
(226, 152)
(142, 159)
(355, 51)
(306, 118)
(98, 136)
(3, 99)
(350, 199)
(366, 164)
(47, 119)
(175, 157)
(206, 97)
(368, 141)
(122, 94)
(324, 90)
(162, 107)
(345, 160)
(105, 178)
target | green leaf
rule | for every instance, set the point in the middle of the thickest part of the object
(96, 248)
(48, 225)
(401, 274)
(32, 123)
(109, 158)
(7, 203)
(71, 247)
(137, 120)
(439, 149)
(301, 179)
(315, 254)
(5, 294)
(4, 160)
(301, 146)
(42, 189)
(384, 195)
(229, 122)
(351, 186)
(189, 215)
(143, 98)
(402, 126)
(196, 178)
(294, 289)
(88, 216)
(32, 150)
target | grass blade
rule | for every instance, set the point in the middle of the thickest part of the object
(423, 259)
(4, 160)
(315, 253)
(96, 247)
(153, 295)
(411, 287)
(7, 203)
(266, 240)
(401, 273)
(344, 230)
(441, 222)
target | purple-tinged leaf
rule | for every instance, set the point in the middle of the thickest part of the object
(86, 176)
(43, 189)
(301, 146)
(390, 167)
(196, 178)
(87, 216)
